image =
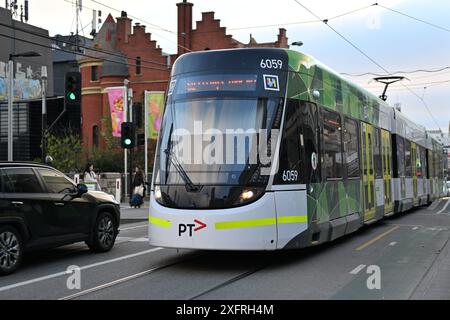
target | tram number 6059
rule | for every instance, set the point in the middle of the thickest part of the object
(271, 64)
(290, 175)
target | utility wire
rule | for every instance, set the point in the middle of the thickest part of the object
(414, 18)
(80, 45)
(368, 57)
(78, 53)
(405, 72)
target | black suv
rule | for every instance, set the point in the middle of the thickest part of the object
(41, 208)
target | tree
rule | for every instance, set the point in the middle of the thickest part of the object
(66, 152)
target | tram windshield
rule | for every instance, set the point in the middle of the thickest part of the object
(214, 140)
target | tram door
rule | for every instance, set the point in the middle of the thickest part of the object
(414, 172)
(386, 156)
(367, 138)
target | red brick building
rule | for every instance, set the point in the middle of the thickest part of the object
(132, 55)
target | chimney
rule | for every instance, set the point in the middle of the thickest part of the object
(282, 39)
(184, 26)
(123, 28)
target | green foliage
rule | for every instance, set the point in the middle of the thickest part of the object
(66, 152)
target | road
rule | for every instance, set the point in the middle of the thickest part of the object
(410, 251)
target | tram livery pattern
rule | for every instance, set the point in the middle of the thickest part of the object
(358, 159)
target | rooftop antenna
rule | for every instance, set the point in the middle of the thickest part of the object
(94, 23)
(78, 7)
(387, 81)
(26, 11)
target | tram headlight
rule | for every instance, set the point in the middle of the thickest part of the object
(247, 195)
(158, 194)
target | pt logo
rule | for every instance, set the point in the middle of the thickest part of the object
(194, 227)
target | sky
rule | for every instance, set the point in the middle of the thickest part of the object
(393, 41)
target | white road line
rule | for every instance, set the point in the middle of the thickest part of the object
(143, 239)
(445, 207)
(435, 205)
(358, 269)
(136, 227)
(393, 243)
(90, 266)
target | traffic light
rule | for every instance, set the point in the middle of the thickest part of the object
(128, 135)
(72, 95)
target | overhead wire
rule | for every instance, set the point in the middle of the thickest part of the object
(369, 58)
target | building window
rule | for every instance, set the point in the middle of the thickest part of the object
(332, 154)
(95, 136)
(351, 147)
(138, 65)
(94, 73)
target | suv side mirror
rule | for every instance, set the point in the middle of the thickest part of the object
(82, 189)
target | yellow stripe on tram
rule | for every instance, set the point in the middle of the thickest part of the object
(260, 222)
(160, 222)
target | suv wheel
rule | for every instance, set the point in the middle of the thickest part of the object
(10, 250)
(105, 232)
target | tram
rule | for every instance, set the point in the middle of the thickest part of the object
(267, 149)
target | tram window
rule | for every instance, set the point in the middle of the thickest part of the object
(418, 161)
(400, 156)
(423, 160)
(377, 154)
(408, 168)
(290, 169)
(351, 147)
(332, 145)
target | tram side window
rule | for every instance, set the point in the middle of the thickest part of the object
(290, 169)
(408, 168)
(400, 156)
(418, 161)
(377, 154)
(351, 147)
(332, 145)
(423, 160)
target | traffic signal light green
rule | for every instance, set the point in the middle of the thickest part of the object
(73, 89)
(128, 135)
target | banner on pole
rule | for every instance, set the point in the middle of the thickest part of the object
(116, 97)
(154, 106)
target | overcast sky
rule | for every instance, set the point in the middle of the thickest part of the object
(394, 41)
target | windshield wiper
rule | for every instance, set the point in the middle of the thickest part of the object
(190, 186)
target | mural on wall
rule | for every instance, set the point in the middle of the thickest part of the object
(27, 85)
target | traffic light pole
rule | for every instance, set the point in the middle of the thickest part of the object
(44, 113)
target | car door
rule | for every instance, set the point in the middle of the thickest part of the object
(24, 196)
(72, 213)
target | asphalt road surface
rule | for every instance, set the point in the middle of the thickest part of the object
(403, 257)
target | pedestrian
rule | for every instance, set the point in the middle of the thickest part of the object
(90, 177)
(137, 198)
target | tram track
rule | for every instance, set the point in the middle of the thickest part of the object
(132, 277)
(155, 269)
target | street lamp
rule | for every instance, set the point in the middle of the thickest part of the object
(297, 43)
(11, 96)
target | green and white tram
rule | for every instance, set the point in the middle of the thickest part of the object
(266, 149)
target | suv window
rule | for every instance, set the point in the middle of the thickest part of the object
(20, 180)
(56, 182)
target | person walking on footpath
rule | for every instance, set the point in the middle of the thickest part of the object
(90, 177)
(137, 198)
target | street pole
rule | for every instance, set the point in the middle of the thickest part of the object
(10, 108)
(125, 152)
(130, 104)
(44, 112)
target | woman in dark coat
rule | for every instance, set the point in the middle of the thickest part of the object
(139, 181)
